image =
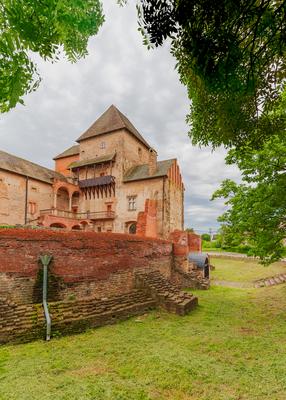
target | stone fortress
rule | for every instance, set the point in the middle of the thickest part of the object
(111, 181)
(111, 217)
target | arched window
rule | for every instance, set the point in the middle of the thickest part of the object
(62, 199)
(58, 225)
(132, 229)
(76, 228)
(75, 201)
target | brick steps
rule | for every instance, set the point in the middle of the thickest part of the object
(165, 293)
(27, 321)
(270, 281)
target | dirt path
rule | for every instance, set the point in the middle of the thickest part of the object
(264, 282)
(241, 285)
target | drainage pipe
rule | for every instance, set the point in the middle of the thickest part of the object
(45, 260)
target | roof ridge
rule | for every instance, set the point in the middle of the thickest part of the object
(141, 171)
(123, 117)
(31, 162)
(111, 120)
(21, 166)
(63, 153)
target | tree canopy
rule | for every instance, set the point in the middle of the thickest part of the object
(46, 27)
(257, 213)
(231, 56)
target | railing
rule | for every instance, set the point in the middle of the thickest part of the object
(73, 215)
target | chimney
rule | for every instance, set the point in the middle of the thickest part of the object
(152, 161)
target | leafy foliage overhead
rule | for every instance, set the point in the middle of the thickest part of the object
(46, 27)
(231, 56)
(257, 207)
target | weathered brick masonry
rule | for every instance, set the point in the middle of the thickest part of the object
(86, 264)
(92, 279)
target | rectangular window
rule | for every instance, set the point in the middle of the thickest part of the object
(131, 203)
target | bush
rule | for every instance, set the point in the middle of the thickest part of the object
(206, 237)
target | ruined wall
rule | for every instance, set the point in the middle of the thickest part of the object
(194, 242)
(85, 264)
(26, 322)
(147, 220)
(93, 280)
(174, 200)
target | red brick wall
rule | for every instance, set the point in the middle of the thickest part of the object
(184, 242)
(147, 220)
(180, 240)
(84, 263)
(195, 242)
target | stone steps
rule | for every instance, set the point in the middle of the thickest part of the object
(165, 293)
(270, 281)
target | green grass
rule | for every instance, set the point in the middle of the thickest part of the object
(232, 347)
(228, 269)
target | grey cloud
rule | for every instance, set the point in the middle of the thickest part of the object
(142, 84)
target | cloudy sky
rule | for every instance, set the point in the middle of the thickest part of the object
(143, 85)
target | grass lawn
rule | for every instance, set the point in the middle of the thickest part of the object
(228, 269)
(231, 347)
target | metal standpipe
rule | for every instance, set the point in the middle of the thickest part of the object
(45, 260)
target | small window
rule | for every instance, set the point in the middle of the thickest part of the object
(34, 189)
(102, 173)
(109, 207)
(132, 203)
(102, 145)
(140, 152)
(99, 229)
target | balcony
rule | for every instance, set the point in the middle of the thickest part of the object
(102, 186)
(93, 216)
(99, 181)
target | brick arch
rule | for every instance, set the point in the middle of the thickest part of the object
(77, 191)
(75, 199)
(76, 227)
(62, 198)
(71, 188)
(84, 224)
(58, 225)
